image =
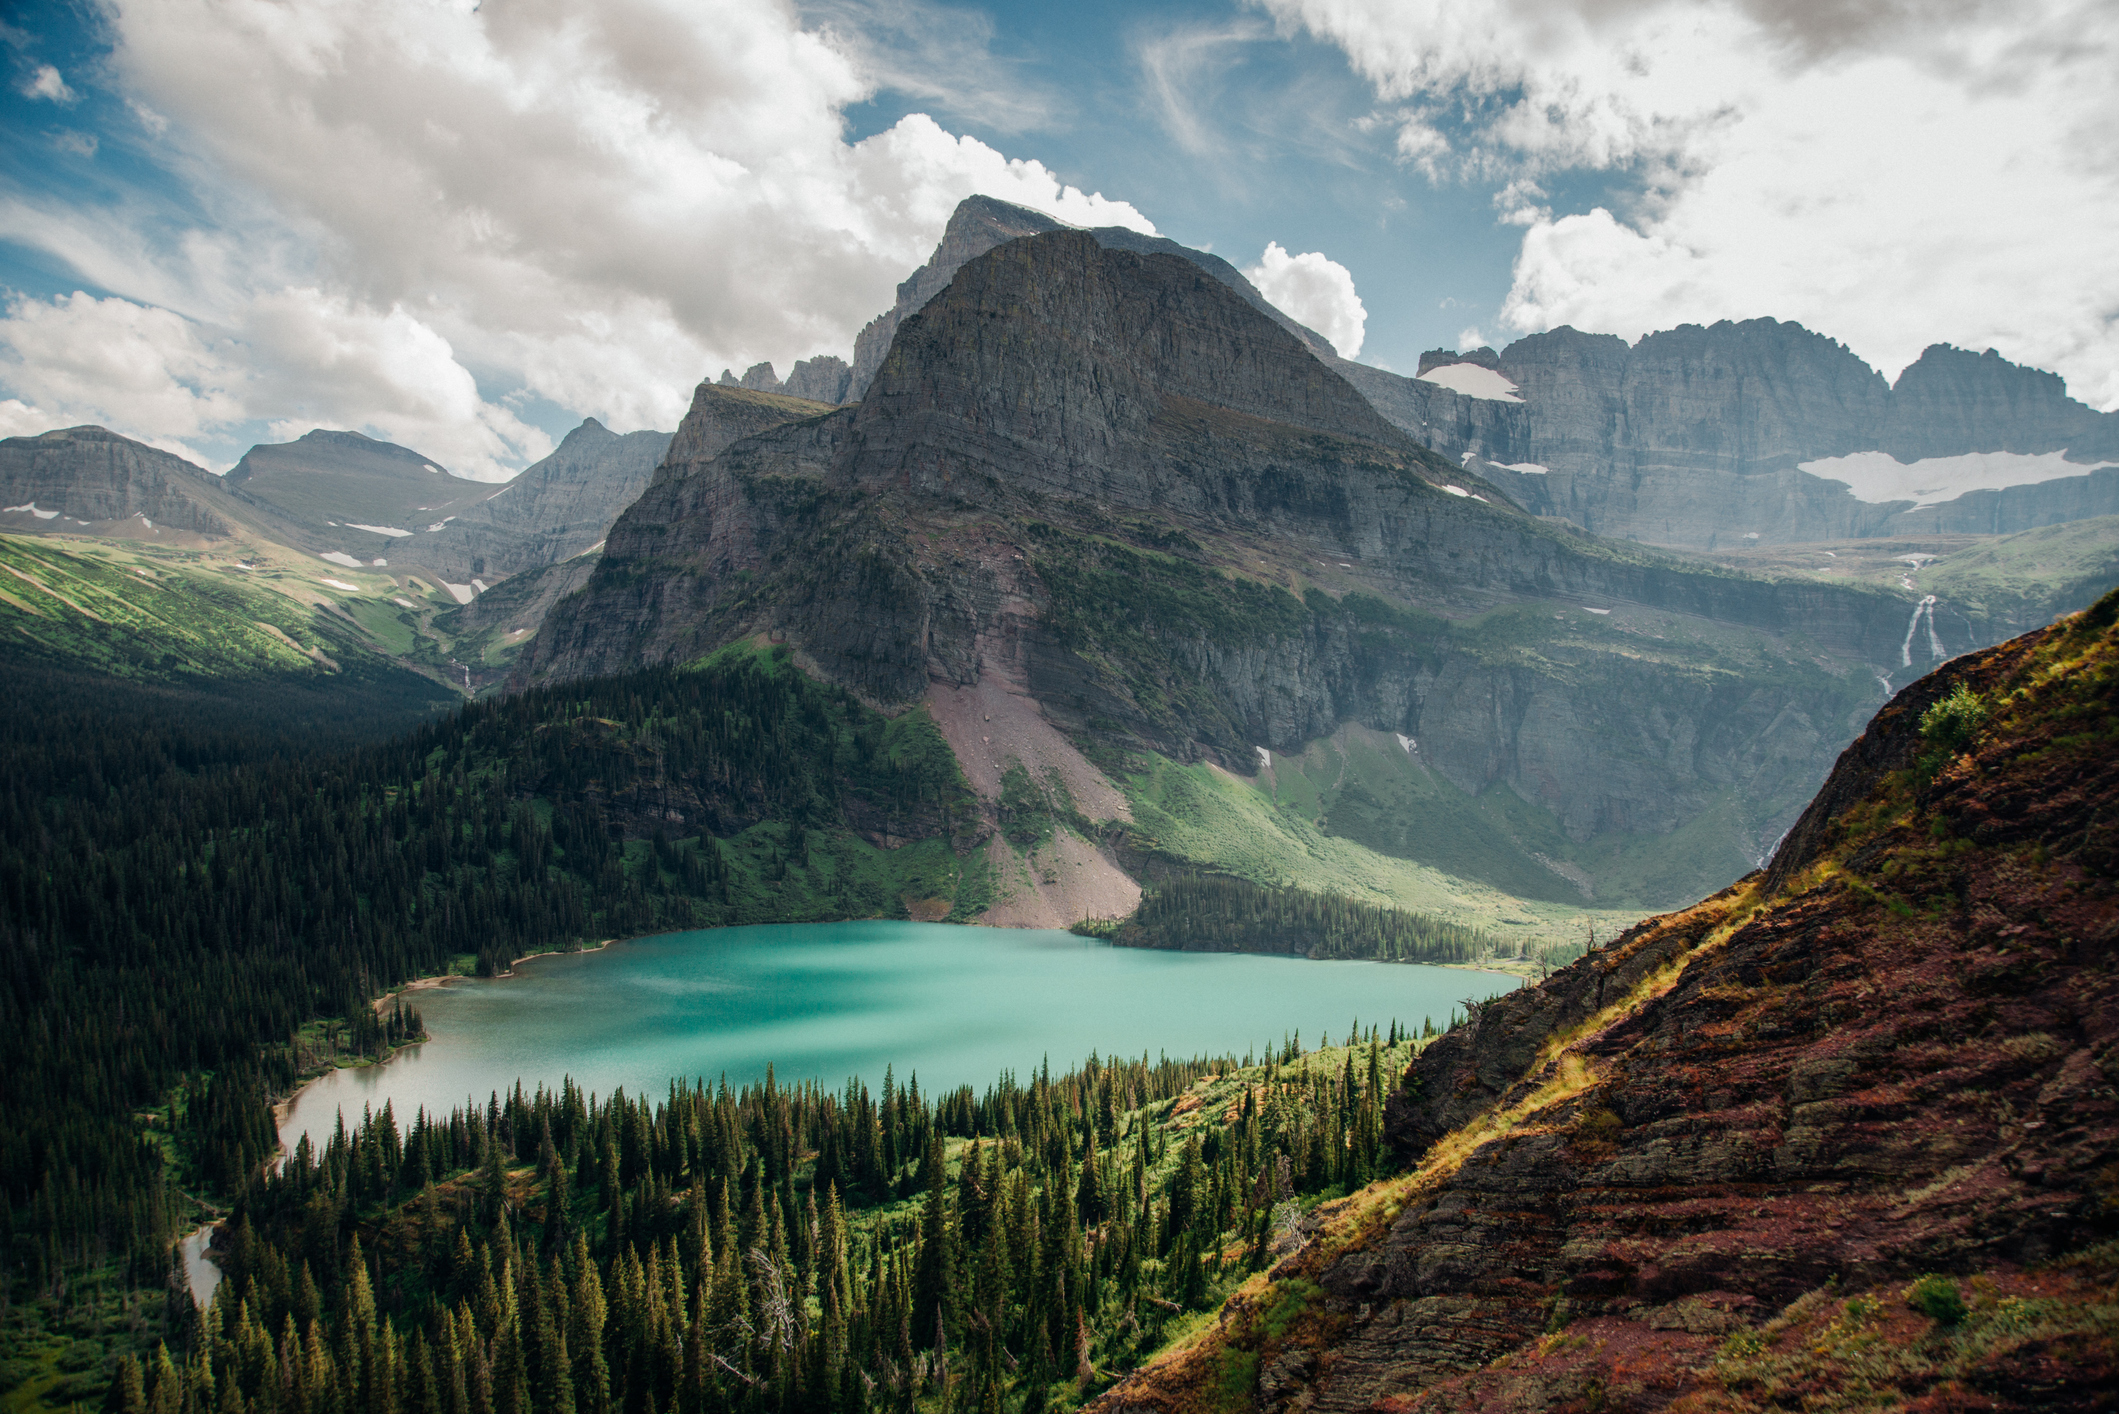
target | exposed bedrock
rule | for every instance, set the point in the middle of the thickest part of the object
(1110, 481)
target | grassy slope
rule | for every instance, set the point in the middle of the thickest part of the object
(240, 610)
(1204, 817)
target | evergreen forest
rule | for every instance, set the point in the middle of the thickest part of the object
(767, 1248)
(197, 912)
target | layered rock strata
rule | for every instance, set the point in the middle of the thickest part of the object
(555, 509)
(89, 479)
(1110, 482)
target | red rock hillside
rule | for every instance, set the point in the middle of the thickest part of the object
(1843, 1135)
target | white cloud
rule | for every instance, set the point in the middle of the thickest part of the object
(46, 83)
(19, 419)
(1313, 290)
(1889, 175)
(110, 361)
(592, 204)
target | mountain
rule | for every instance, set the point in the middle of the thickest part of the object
(1103, 517)
(1847, 1126)
(348, 497)
(982, 222)
(1694, 437)
(823, 379)
(1761, 432)
(89, 481)
(553, 510)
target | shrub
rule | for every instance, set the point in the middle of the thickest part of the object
(1951, 721)
(1937, 1298)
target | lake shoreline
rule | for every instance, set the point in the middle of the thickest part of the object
(283, 1108)
(290, 1124)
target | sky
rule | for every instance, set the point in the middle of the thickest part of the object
(464, 227)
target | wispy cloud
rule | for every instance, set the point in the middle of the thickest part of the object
(941, 56)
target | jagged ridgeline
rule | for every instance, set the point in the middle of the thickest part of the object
(1206, 914)
(769, 1248)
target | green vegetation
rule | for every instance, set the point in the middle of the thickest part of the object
(175, 903)
(1200, 914)
(2031, 576)
(766, 1248)
(1950, 722)
(1199, 818)
(1937, 1297)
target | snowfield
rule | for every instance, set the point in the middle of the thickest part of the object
(1473, 381)
(1878, 477)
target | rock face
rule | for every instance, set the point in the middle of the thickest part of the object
(554, 510)
(86, 479)
(1893, 1054)
(326, 480)
(1698, 436)
(1109, 482)
(982, 222)
(823, 379)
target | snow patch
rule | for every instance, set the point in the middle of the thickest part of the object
(1878, 477)
(389, 530)
(340, 557)
(463, 593)
(479, 585)
(340, 584)
(1406, 742)
(1587, 610)
(436, 526)
(1456, 491)
(31, 507)
(1527, 468)
(379, 562)
(1265, 758)
(403, 603)
(1473, 381)
(435, 469)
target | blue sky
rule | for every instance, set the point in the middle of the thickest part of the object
(465, 227)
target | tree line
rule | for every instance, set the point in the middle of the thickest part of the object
(784, 1248)
(1213, 913)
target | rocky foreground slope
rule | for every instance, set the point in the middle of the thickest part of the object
(1846, 1133)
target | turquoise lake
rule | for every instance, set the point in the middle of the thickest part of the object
(826, 1001)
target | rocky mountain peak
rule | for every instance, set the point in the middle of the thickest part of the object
(1123, 334)
(1442, 358)
(1951, 401)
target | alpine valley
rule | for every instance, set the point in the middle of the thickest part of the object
(1757, 714)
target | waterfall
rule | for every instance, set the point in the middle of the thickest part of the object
(1905, 650)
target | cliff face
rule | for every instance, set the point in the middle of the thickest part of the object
(980, 223)
(1107, 483)
(1703, 1160)
(86, 479)
(555, 509)
(1698, 436)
